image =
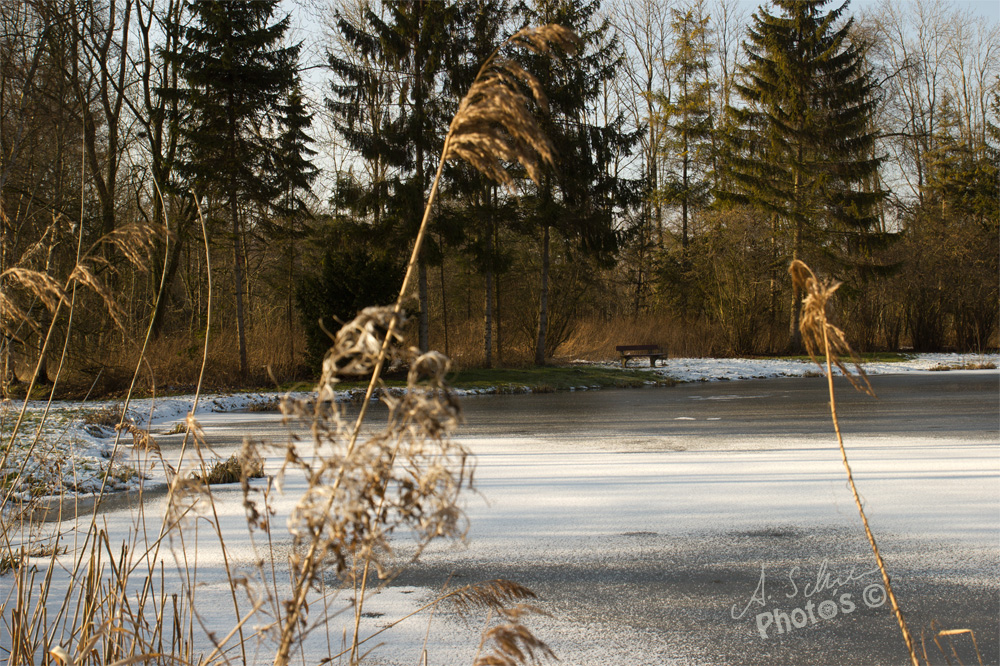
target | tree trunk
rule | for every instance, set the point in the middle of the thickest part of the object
(794, 334)
(418, 109)
(684, 200)
(288, 306)
(173, 263)
(775, 278)
(543, 301)
(488, 317)
(238, 280)
(424, 332)
(496, 305)
(444, 305)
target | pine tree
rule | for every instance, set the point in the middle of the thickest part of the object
(805, 150)
(482, 208)
(689, 117)
(294, 175)
(396, 124)
(292, 168)
(580, 196)
(238, 75)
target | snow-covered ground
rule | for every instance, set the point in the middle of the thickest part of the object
(68, 456)
(722, 369)
(597, 510)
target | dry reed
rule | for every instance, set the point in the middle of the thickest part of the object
(413, 457)
(821, 338)
(360, 490)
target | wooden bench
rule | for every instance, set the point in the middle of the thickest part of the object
(628, 352)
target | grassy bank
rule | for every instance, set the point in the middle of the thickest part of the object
(545, 379)
(555, 378)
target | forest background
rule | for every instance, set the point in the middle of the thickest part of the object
(175, 169)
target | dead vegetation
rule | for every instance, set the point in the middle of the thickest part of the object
(826, 344)
(112, 603)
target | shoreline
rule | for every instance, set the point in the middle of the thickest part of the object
(87, 450)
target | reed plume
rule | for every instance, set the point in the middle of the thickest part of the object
(823, 338)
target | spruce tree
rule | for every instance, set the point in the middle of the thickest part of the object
(580, 196)
(294, 174)
(482, 208)
(394, 123)
(688, 117)
(238, 73)
(805, 148)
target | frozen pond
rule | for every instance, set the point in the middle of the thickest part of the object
(647, 519)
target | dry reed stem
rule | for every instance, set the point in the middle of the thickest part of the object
(488, 128)
(106, 598)
(82, 275)
(512, 642)
(822, 337)
(493, 595)
(54, 297)
(412, 454)
(948, 633)
(494, 123)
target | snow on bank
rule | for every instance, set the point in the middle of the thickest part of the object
(723, 369)
(71, 456)
(59, 449)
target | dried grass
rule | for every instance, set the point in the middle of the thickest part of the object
(42, 286)
(83, 275)
(407, 476)
(820, 337)
(967, 365)
(236, 469)
(410, 474)
(110, 416)
(596, 339)
(823, 338)
(494, 123)
(511, 643)
(175, 361)
(360, 491)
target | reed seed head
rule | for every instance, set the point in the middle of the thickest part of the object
(820, 337)
(495, 125)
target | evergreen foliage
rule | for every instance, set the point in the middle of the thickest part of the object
(804, 151)
(238, 76)
(353, 274)
(582, 195)
(292, 168)
(689, 117)
(384, 104)
(480, 209)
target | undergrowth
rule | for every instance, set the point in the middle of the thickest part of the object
(93, 599)
(80, 594)
(233, 470)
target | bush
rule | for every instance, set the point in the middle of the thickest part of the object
(349, 279)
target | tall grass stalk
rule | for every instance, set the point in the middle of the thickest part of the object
(822, 337)
(493, 123)
(116, 608)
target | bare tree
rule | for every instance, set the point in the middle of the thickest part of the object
(643, 27)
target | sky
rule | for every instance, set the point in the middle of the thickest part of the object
(310, 25)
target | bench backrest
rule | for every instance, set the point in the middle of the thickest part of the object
(625, 348)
